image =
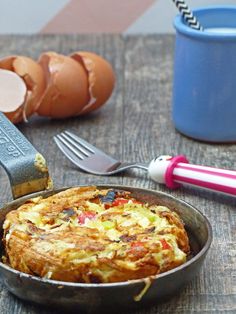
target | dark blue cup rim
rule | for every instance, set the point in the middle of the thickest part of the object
(182, 27)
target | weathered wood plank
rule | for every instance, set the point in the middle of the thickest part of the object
(102, 128)
(136, 125)
(148, 132)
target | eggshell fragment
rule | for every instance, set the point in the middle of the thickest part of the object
(12, 91)
(32, 75)
(67, 86)
(101, 79)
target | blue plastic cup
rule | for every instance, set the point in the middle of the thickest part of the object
(204, 86)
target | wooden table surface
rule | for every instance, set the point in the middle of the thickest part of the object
(136, 125)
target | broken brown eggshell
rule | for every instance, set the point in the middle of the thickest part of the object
(101, 79)
(66, 86)
(57, 86)
(31, 74)
(76, 84)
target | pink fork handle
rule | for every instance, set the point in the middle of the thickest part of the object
(175, 171)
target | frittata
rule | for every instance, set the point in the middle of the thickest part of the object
(92, 235)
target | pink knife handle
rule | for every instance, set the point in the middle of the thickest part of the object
(175, 171)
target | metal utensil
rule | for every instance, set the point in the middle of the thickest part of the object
(108, 296)
(172, 171)
(26, 168)
(89, 158)
(99, 297)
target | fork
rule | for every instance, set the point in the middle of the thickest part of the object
(172, 171)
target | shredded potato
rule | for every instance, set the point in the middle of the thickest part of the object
(93, 236)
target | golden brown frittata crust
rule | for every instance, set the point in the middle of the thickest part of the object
(89, 235)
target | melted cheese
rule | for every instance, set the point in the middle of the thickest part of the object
(75, 230)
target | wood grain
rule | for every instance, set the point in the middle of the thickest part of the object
(136, 125)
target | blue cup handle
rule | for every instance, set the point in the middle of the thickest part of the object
(25, 166)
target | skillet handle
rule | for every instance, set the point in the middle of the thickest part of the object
(25, 167)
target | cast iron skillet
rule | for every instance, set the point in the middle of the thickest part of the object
(17, 156)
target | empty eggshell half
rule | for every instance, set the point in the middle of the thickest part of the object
(101, 79)
(66, 86)
(57, 86)
(30, 74)
(12, 91)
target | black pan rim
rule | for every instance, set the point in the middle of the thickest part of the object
(200, 254)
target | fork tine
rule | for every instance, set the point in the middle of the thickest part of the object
(69, 154)
(59, 139)
(82, 142)
(89, 146)
(85, 155)
(78, 146)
